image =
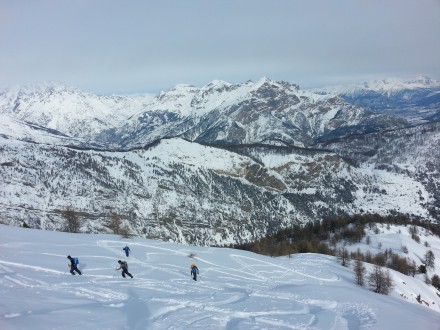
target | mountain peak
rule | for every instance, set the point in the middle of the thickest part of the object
(219, 83)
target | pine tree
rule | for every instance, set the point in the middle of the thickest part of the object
(435, 281)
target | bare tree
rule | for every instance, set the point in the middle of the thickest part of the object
(125, 231)
(359, 271)
(72, 222)
(380, 281)
(115, 223)
(343, 256)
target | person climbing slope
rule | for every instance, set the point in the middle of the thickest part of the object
(124, 266)
(73, 265)
(127, 250)
(194, 271)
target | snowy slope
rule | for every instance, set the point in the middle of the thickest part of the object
(15, 129)
(398, 239)
(235, 290)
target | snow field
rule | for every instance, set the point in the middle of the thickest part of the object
(236, 289)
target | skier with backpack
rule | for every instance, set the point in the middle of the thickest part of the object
(194, 271)
(73, 265)
(127, 250)
(124, 266)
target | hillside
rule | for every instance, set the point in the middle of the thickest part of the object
(189, 193)
(235, 290)
(412, 151)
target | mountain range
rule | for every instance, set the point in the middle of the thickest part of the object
(417, 99)
(220, 164)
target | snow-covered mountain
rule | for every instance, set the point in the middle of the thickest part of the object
(417, 99)
(225, 163)
(69, 110)
(235, 289)
(219, 113)
(413, 152)
(190, 193)
(263, 112)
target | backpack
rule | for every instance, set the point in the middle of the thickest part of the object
(124, 265)
(75, 261)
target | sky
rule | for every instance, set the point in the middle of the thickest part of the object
(234, 290)
(112, 46)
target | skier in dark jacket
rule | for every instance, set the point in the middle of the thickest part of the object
(127, 250)
(124, 266)
(194, 271)
(73, 265)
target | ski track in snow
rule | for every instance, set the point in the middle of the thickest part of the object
(167, 299)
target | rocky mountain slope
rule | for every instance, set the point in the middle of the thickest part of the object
(218, 113)
(263, 112)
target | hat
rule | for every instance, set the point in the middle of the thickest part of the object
(68, 257)
(119, 261)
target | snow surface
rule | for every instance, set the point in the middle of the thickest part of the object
(12, 128)
(236, 289)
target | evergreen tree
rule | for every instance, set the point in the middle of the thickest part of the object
(429, 260)
(435, 281)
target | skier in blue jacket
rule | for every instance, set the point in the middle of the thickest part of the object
(127, 250)
(194, 271)
(73, 265)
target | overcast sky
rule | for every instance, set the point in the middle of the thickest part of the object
(115, 46)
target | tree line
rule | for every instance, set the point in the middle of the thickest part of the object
(323, 237)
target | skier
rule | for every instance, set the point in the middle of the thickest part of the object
(124, 266)
(127, 250)
(73, 265)
(194, 271)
